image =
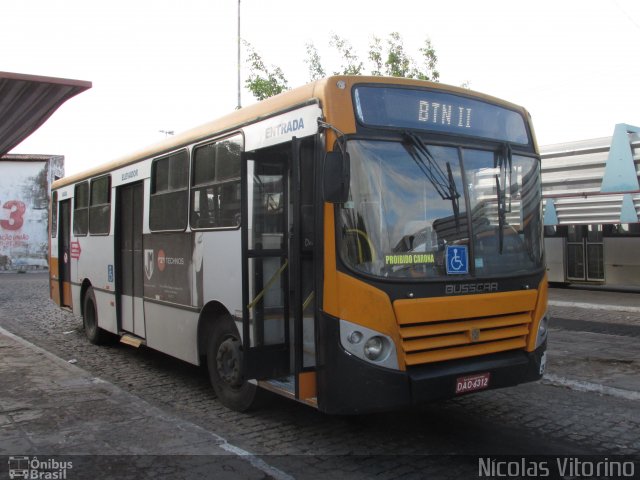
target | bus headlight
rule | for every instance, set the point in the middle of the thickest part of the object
(373, 348)
(543, 330)
(369, 345)
(355, 337)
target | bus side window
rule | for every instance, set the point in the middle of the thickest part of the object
(215, 185)
(81, 209)
(169, 192)
(100, 206)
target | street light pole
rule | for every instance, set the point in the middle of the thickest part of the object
(239, 102)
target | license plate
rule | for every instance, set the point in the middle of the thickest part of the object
(472, 383)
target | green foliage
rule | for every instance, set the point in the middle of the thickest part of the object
(375, 56)
(394, 61)
(263, 82)
(316, 71)
(398, 63)
(430, 62)
(351, 65)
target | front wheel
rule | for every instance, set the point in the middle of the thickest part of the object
(94, 333)
(224, 361)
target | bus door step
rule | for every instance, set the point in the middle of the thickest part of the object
(132, 340)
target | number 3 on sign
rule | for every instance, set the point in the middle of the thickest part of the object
(16, 212)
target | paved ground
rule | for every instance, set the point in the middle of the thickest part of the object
(148, 403)
(51, 407)
(595, 340)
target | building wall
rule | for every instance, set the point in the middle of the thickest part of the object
(575, 180)
(24, 209)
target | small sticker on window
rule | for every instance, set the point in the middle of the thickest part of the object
(457, 259)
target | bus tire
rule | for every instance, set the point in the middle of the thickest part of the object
(224, 362)
(94, 333)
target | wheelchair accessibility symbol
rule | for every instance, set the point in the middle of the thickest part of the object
(457, 259)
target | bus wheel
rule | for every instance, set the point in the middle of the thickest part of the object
(224, 360)
(94, 333)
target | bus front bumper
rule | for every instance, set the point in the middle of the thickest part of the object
(349, 385)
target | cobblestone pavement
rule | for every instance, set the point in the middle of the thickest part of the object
(539, 418)
(51, 408)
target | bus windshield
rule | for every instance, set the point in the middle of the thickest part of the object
(410, 203)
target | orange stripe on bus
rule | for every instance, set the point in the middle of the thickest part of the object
(307, 386)
(465, 306)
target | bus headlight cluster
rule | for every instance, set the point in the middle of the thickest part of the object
(369, 345)
(373, 348)
(543, 330)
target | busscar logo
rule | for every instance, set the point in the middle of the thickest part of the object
(464, 288)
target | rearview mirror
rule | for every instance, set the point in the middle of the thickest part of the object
(336, 177)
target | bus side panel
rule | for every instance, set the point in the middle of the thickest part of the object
(95, 264)
(106, 304)
(621, 261)
(213, 274)
(96, 254)
(172, 330)
(554, 252)
(75, 290)
(220, 271)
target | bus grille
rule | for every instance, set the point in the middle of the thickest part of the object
(436, 342)
(440, 329)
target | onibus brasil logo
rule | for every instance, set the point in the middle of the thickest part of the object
(33, 468)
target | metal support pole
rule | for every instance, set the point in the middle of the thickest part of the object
(239, 100)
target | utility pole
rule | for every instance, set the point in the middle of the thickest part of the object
(239, 101)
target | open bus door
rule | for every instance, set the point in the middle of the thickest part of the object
(272, 286)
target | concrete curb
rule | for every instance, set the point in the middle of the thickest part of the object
(593, 306)
(584, 386)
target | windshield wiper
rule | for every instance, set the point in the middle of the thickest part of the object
(504, 162)
(444, 183)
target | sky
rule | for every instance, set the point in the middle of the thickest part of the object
(159, 65)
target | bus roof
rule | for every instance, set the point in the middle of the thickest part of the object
(316, 91)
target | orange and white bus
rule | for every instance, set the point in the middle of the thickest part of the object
(357, 244)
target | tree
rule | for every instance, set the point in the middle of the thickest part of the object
(393, 61)
(316, 71)
(375, 56)
(351, 64)
(430, 61)
(398, 63)
(263, 82)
